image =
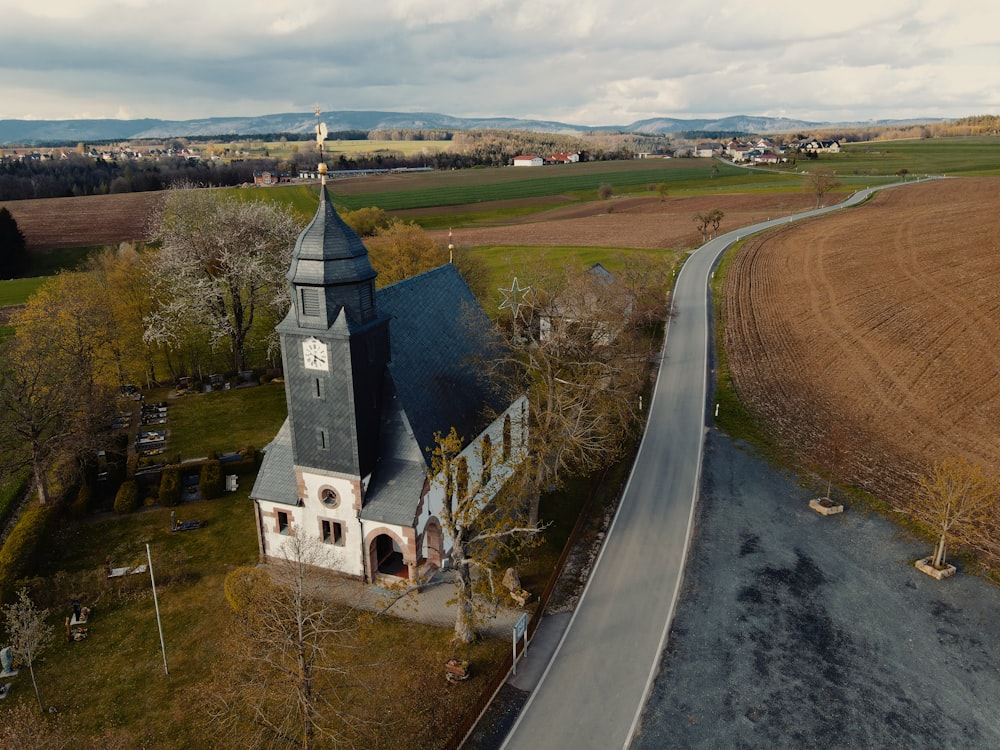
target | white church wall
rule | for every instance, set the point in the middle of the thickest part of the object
(500, 470)
(327, 514)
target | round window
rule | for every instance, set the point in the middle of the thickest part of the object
(329, 498)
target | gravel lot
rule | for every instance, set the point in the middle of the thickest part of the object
(801, 631)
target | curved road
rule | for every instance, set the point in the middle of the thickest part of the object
(592, 693)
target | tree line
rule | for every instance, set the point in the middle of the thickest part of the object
(75, 174)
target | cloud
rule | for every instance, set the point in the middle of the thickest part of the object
(591, 62)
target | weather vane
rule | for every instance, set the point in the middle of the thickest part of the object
(320, 137)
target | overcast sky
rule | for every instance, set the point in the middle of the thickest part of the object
(586, 62)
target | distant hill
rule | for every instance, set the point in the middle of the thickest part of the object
(52, 132)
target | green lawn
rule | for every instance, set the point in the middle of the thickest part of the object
(116, 678)
(224, 421)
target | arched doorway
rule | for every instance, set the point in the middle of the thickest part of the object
(388, 557)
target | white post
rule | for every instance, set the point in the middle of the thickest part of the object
(513, 650)
(156, 604)
(520, 628)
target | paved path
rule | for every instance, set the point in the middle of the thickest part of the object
(797, 630)
(592, 692)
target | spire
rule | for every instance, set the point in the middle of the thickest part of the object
(330, 271)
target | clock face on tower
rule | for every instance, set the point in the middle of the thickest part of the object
(315, 355)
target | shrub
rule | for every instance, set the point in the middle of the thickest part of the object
(604, 191)
(80, 506)
(22, 545)
(127, 497)
(210, 481)
(131, 464)
(244, 586)
(170, 486)
(367, 221)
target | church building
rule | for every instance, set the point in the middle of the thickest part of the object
(370, 377)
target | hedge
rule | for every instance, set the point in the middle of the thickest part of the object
(210, 480)
(127, 497)
(10, 493)
(19, 551)
(170, 486)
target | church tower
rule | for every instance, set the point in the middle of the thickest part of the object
(335, 348)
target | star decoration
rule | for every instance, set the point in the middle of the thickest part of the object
(514, 297)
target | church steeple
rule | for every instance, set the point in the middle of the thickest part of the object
(334, 347)
(330, 272)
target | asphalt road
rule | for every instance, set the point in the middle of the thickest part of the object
(592, 693)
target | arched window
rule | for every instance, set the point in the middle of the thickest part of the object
(462, 478)
(506, 438)
(487, 458)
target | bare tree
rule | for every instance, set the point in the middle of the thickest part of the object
(955, 497)
(483, 518)
(577, 351)
(28, 634)
(222, 263)
(819, 182)
(278, 685)
(708, 219)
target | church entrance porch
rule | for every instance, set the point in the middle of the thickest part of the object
(388, 557)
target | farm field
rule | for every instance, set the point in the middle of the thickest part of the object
(966, 156)
(875, 331)
(59, 223)
(647, 223)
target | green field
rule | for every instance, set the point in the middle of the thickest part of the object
(859, 165)
(17, 291)
(502, 260)
(971, 157)
(573, 182)
(331, 149)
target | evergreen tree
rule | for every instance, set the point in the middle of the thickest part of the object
(13, 249)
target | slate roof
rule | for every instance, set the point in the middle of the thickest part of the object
(328, 251)
(437, 332)
(276, 478)
(394, 492)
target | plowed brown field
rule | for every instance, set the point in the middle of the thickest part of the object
(57, 223)
(632, 222)
(880, 324)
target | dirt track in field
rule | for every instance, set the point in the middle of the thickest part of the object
(58, 223)
(880, 325)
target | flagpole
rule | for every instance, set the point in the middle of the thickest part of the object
(156, 604)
